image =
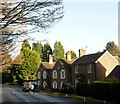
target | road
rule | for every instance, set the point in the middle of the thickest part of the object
(11, 93)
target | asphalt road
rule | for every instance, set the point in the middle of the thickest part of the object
(13, 94)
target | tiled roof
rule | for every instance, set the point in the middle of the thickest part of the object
(65, 64)
(18, 59)
(47, 65)
(90, 58)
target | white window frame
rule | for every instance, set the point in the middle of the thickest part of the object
(39, 83)
(54, 74)
(44, 75)
(54, 85)
(44, 84)
(39, 75)
(62, 74)
(76, 81)
(76, 69)
(89, 68)
(61, 84)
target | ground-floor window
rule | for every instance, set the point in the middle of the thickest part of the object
(61, 84)
(54, 85)
(44, 84)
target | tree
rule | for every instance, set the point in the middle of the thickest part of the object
(6, 62)
(38, 48)
(73, 55)
(28, 68)
(112, 48)
(46, 51)
(19, 18)
(25, 44)
(58, 51)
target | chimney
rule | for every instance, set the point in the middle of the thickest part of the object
(68, 56)
(82, 52)
(50, 59)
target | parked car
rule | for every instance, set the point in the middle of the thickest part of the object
(25, 87)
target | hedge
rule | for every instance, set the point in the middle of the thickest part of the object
(101, 90)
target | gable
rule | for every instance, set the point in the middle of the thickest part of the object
(108, 62)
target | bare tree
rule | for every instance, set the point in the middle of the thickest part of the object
(19, 18)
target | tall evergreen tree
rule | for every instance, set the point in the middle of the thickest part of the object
(25, 44)
(38, 48)
(112, 48)
(46, 51)
(58, 51)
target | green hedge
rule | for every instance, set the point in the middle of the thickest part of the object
(100, 90)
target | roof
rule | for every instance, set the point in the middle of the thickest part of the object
(65, 64)
(18, 59)
(90, 58)
(47, 65)
(117, 58)
(115, 73)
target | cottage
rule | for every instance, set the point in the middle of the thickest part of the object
(43, 73)
(62, 72)
(92, 67)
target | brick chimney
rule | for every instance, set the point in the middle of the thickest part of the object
(68, 56)
(82, 52)
(50, 59)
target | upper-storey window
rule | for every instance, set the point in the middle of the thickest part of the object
(62, 74)
(89, 68)
(54, 74)
(44, 75)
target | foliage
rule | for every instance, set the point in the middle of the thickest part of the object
(58, 51)
(99, 90)
(46, 51)
(6, 62)
(27, 70)
(113, 48)
(38, 48)
(73, 55)
(18, 15)
(25, 44)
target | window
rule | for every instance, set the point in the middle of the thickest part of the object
(76, 69)
(44, 84)
(76, 81)
(62, 74)
(39, 75)
(54, 74)
(44, 75)
(89, 68)
(54, 85)
(61, 84)
(39, 83)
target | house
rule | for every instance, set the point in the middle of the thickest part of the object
(62, 72)
(115, 74)
(43, 73)
(92, 67)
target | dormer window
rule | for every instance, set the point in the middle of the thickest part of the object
(62, 74)
(44, 75)
(39, 75)
(54, 74)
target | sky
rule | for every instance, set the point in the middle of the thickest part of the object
(89, 25)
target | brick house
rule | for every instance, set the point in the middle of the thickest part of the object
(43, 73)
(92, 67)
(115, 74)
(62, 72)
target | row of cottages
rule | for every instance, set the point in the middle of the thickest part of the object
(86, 68)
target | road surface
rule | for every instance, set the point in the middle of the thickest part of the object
(13, 94)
